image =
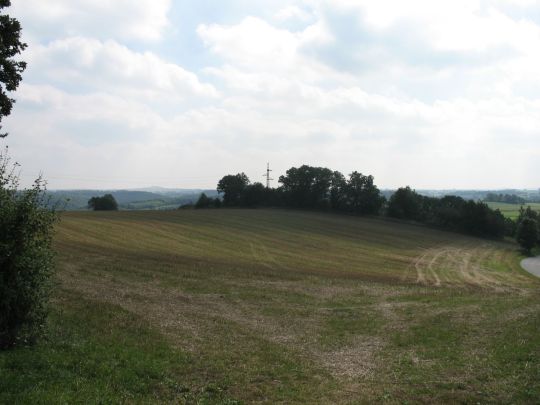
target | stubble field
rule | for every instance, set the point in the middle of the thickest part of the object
(242, 306)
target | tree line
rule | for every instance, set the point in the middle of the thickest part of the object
(505, 198)
(320, 188)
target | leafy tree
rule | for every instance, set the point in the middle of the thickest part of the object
(105, 203)
(405, 204)
(527, 234)
(253, 195)
(232, 186)
(10, 69)
(206, 202)
(338, 188)
(307, 186)
(362, 196)
(510, 227)
(203, 201)
(528, 213)
(448, 212)
(26, 257)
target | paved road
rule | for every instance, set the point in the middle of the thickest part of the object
(532, 265)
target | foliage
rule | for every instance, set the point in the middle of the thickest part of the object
(361, 195)
(504, 198)
(203, 201)
(25, 257)
(232, 186)
(206, 202)
(322, 188)
(527, 234)
(450, 212)
(105, 203)
(528, 213)
(405, 204)
(307, 186)
(10, 69)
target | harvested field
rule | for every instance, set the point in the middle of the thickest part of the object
(274, 306)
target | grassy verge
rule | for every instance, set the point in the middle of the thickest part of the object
(96, 352)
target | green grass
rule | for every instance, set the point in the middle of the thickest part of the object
(227, 306)
(96, 352)
(512, 210)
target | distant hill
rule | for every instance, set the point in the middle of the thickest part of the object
(73, 200)
(161, 198)
(477, 195)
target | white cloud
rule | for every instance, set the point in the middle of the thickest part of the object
(109, 66)
(125, 19)
(293, 12)
(255, 44)
(431, 94)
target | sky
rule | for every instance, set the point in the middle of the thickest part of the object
(134, 93)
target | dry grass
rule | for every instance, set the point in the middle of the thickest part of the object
(377, 310)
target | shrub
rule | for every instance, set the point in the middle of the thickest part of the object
(105, 203)
(203, 201)
(527, 234)
(26, 257)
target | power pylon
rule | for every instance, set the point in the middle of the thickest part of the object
(267, 175)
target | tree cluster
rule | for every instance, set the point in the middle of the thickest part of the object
(104, 203)
(306, 187)
(449, 212)
(206, 202)
(504, 198)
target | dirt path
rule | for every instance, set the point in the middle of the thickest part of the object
(532, 265)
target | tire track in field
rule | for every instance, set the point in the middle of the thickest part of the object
(459, 265)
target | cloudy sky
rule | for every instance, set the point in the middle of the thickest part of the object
(131, 93)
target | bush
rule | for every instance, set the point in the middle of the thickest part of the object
(204, 201)
(527, 234)
(105, 203)
(26, 257)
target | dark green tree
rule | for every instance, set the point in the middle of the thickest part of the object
(254, 195)
(338, 188)
(307, 186)
(527, 234)
(232, 187)
(362, 196)
(105, 203)
(26, 257)
(10, 68)
(528, 213)
(405, 203)
(203, 201)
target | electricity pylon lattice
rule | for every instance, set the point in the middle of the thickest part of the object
(267, 175)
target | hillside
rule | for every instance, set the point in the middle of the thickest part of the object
(280, 306)
(159, 198)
